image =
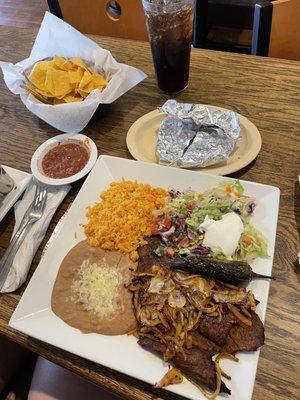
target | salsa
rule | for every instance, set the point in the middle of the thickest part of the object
(64, 160)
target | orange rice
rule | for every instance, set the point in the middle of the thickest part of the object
(124, 216)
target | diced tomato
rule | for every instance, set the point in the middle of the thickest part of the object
(156, 219)
(247, 241)
(167, 222)
(184, 242)
(155, 225)
(191, 206)
(228, 189)
(170, 251)
(154, 229)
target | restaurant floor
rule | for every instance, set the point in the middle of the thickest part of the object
(22, 13)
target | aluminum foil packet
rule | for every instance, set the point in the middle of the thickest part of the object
(192, 135)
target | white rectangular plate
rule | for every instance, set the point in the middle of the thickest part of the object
(21, 180)
(34, 317)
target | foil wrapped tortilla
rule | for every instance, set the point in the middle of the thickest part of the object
(192, 135)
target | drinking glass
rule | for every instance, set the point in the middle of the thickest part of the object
(170, 29)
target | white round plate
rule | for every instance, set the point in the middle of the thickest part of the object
(142, 136)
(40, 151)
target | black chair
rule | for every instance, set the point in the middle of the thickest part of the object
(252, 15)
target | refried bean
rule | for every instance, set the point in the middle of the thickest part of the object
(67, 304)
(64, 160)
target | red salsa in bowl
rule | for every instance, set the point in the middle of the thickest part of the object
(65, 159)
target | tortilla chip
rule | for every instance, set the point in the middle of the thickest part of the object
(62, 63)
(61, 80)
(44, 65)
(75, 75)
(44, 93)
(38, 77)
(89, 87)
(99, 81)
(82, 93)
(78, 61)
(57, 101)
(57, 82)
(70, 98)
(86, 79)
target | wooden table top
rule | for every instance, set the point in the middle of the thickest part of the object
(265, 90)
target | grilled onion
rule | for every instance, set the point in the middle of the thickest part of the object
(172, 377)
(176, 299)
(169, 304)
(230, 296)
(220, 357)
(238, 315)
(160, 285)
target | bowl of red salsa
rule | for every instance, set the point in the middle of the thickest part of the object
(64, 159)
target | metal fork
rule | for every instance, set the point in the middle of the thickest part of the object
(33, 214)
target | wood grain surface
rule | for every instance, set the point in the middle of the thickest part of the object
(24, 14)
(267, 91)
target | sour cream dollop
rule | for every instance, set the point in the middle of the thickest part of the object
(222, 235)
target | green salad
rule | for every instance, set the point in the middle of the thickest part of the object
(181, 223)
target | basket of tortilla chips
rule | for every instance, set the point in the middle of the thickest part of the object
(68, 77)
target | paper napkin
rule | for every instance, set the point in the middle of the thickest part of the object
(22, 261)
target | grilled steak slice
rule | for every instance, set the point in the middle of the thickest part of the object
(152, 345)
(245, 338)
(201, 342)
(215, 330)
(198, 365)
(147, 257)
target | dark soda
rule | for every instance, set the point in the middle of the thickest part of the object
(170, 34)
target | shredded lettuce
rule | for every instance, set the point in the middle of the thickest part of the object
(232, 193)
(161, 251)
(179, 204)
(185, 252)
(212, 207)
(238, 187)
(252, 244)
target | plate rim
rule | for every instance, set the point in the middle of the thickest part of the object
(255, 144)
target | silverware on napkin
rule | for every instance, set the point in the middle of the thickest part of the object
(6, 183)
(33, 214)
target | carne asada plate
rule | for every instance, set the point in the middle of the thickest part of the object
(39, 314)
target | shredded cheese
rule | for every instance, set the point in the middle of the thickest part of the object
(96, 287)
